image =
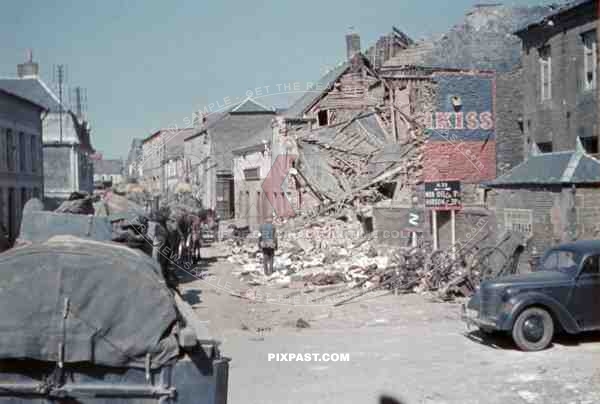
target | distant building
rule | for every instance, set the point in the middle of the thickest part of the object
(209, 151)
(133, 164)
(21, 169)
(560, 79)
(66, 136)
(162, 161)
(251, 165)
(108, 172)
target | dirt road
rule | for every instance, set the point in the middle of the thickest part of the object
(405, 346)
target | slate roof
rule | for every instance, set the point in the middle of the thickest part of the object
(235, 130)
(29, 102)
(108, 167)
(552, 14)
(298, 108)
(34, 90)
(482, 41)
(250, 106)
(558, 168)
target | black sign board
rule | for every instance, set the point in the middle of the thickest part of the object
(443, 195)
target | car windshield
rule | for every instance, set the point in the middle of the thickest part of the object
(560, 260)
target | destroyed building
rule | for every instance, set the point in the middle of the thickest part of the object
(437, 116)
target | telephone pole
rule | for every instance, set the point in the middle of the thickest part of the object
(60, 74)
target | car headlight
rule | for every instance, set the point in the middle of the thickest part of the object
(507, 306)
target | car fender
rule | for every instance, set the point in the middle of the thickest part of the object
(558, 311)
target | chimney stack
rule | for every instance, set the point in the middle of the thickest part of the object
(29, 69)
(352, 43)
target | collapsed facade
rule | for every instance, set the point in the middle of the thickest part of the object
(377, 136)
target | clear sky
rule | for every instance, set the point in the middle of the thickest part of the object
(148, 64)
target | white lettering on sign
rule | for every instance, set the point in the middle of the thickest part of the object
(413, 219)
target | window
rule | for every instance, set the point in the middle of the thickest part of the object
(545, 147)
(33, 153)
(323, 117)
(24, 197)
(10, 155)
(22, 153)
(590, 144)
(545, 72)
(589, 60)
(251, 174)
(560, 260)
(590, 265)
(519, 220)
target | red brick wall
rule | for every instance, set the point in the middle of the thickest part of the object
(467, 161)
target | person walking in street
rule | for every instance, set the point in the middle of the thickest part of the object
(268, 243)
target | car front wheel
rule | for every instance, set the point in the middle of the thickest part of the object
(533, 330)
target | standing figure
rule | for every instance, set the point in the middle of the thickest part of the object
(268, 243)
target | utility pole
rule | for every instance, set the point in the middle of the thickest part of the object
(60, 74)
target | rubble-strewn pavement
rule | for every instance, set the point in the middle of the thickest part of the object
(405, 346)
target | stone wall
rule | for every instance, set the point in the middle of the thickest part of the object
(510, 140)
(571, 111)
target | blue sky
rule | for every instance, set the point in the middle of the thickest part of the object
(149, 64)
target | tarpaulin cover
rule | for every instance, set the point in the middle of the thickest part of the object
(39, 226)
(95, 302)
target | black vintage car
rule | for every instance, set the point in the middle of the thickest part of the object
(562, 295)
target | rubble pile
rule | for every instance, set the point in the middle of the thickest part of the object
(330, 251)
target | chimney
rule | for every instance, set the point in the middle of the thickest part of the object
(352, 43)
(29, 69)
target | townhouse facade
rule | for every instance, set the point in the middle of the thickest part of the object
(21, 167)
(67, 146)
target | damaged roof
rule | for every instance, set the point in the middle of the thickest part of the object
(307, 99)
(363, 135)
(335, 159)
(558, 168)
(553, 12)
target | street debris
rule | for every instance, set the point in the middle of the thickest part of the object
(301, 323)
(315, 255)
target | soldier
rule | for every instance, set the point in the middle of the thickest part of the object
(268, 243)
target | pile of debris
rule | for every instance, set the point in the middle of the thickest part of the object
(330, 251)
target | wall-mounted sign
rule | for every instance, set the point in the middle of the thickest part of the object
(414, 220)
(443, 195)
